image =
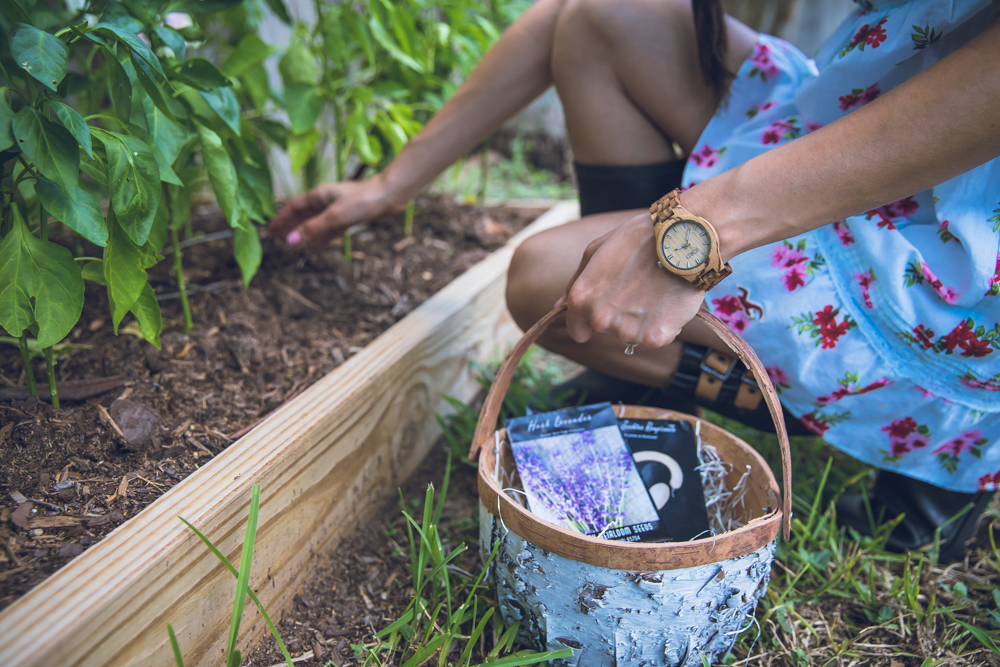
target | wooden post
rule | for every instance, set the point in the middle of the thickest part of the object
(326, 462)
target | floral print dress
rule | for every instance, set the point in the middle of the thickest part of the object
(881, 331)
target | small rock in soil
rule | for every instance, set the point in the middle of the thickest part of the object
(137, 422)
(21, 514)
(70, 549)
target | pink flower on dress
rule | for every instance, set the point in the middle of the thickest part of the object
(990, 483)
(924, 392)
(815, 423)
(887, 214)
(794, 277)
(859, 97)
(738, 322)
(779, 130)
(924, 336)
(787, 256)
(726, 306)
(948, 294)
(865, 281)
(707, 156)
(777, 375)
(762, 63)
(985, 385)
(994, 287)
(905, 435)
(843, 233)
(812, 126)
(967, 440)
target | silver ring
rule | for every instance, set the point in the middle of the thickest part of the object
(630, 349)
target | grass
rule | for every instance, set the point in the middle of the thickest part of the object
(835, 597)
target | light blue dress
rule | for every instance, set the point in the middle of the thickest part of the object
(880, 331)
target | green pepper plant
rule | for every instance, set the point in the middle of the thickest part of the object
(109, 123)
(378, 69)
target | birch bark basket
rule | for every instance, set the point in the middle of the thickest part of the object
(631, 603)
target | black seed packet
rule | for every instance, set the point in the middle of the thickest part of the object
(666, 454)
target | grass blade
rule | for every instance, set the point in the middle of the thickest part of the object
(979, 634)
(529, 659)
(395, 625)
(253, 596)
(243, 578)
(175, 646)
(473, 638)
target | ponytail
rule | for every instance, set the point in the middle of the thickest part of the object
(710, 28)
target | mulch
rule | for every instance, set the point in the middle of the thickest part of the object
(69, 477)
(365, 583)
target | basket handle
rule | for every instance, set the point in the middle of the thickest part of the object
(494, 399)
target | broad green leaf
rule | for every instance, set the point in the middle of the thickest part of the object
(358, 127)
(201, 74)
(148, 83)
(76, 208)
(280, 10)
(247, 250)
(221, 173)
(304, 105)
(393, 132)
(134, 180)
(6, 131)
(116, 13)
(119, 85)
(204, 6)
(144, 10)
(273, 130)
(75, 123)
(123, 271)
(250, 51)
(159, 231)
(301, 147)
(40, 54)
(132, 41)
(96, 168)
(14, 12)
(382, 37)
(298, 65)
(258, 85)
(257, 176)
(224, 102)
(49, 146)
(147, 313)
(42, 283)
(173, 39)
(167, 174)
(169, 137)
(94, 272)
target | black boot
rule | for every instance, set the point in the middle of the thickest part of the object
(594, 387)
(926, 508)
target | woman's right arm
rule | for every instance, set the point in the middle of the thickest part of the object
(513, 72)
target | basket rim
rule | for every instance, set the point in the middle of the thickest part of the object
(635, 556)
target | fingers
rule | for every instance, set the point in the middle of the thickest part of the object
(301, 208)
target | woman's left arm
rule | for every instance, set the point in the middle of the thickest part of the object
(935, 126)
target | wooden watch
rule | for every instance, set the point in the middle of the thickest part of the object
(687, 245)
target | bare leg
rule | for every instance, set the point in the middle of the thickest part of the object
(628, 76)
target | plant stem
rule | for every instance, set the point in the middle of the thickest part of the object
(50, 368)
(29, 372)
(43, 222)
(181, 287)
(347, 247)
(408, 220)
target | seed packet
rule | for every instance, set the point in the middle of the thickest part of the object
(578, 473)
(666, 454)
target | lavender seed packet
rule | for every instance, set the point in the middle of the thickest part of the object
(666, 453)
(578, 473)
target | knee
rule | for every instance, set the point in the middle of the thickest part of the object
(611, 20)
(525, 279)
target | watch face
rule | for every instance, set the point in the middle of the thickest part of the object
(686, 245)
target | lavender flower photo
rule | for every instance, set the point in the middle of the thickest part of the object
(578, 473)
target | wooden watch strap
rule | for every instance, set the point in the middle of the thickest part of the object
(494, 399)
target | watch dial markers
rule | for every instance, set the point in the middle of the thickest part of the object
(686, 245)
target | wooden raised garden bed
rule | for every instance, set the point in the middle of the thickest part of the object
(326, 461)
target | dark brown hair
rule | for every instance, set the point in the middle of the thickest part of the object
(710, 28)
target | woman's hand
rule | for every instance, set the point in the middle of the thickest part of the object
(327, 210)
(620, 290)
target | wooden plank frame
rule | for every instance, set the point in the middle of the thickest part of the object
(327, 462)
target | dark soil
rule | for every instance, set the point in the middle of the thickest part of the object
(366, 584)
(69, 477)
